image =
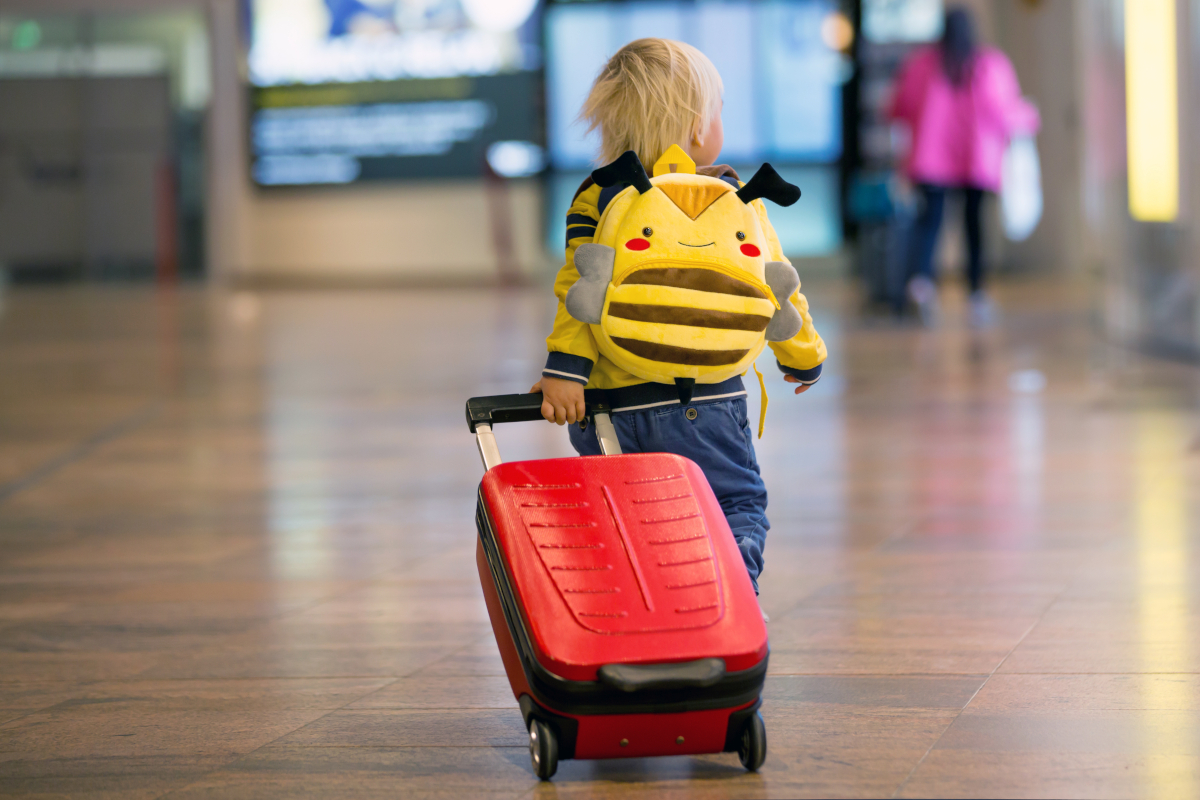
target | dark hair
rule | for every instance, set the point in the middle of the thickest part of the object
(958, 45)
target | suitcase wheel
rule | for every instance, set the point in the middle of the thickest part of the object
(753, 749)
(543, 749)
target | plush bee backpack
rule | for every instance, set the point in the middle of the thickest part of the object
(675, 285)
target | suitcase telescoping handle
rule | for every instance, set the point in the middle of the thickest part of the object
(484, 412)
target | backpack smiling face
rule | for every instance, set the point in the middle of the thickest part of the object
(687, 297)
(676, 284)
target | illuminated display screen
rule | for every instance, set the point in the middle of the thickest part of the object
(907, 21)
(351, 90)
(782, 81)
(783, 96)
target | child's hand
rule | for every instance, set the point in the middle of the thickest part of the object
(562, 400)
(790, 379)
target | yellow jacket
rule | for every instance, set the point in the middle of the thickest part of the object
(573, 352)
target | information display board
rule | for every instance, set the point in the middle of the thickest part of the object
(782, 80)
(354, 90)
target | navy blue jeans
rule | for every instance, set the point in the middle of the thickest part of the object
(925, 233)
(719, 441)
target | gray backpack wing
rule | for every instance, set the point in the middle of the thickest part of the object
(784, 281)
(585, 300)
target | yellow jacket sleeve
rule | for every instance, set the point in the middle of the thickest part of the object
(803, 354)
(572, 347)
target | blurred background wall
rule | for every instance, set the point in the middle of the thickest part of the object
(446, 227)
(1140, 167)
(430, 230)
(423, 230)
(101, 142)
(133, 141)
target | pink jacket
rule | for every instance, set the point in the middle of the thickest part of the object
(959, 134)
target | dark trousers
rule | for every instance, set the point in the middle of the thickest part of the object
(929, 221)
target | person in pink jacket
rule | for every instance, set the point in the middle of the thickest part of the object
(962, 104)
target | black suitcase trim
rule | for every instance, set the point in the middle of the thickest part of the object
(737, 723)
(567, 728)
(585, 698)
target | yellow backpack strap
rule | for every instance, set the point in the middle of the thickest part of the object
(762, 411)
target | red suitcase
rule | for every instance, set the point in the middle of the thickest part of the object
(620, 603)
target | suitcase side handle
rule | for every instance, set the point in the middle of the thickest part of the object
(484, 412)
(642, 677)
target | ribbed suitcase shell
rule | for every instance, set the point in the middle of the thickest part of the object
(620, 560)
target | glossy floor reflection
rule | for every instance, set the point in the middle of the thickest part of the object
(236, 555)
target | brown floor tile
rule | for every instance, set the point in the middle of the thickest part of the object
(270, 582)
(71, 666)
(254, 657)
(177, 718)
(439, 691)
(481, 659)
(20, 698)
(1007, 693)
(305, 694)
(1098, 636)
(1070, 736)
(1036, 775)
(881, 646)
(130, 628)
(404, 608)
(875, 691)
(15, 612)
(426, 773)
(1136, 732)
(386, 630)
(141, 778)
(197, 591)
(114, 728)
(414, 728)
(925, 598)
(859, 660)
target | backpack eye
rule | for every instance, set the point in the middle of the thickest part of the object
(741, 236)
(647, 231)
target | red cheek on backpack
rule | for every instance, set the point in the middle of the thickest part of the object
(637, 244)
(750, 250)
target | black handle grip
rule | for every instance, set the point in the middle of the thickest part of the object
(639, 677)
(522, 407)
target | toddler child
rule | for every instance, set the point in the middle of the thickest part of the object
(652, 94)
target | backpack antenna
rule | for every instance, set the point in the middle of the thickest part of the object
(626, 169)
(767, 184)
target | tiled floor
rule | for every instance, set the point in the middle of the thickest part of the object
(237, 555)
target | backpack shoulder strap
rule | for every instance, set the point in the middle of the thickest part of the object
(583, 187)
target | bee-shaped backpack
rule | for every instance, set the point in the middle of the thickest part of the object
(675, 285)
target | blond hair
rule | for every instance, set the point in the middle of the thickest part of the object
(651, 94)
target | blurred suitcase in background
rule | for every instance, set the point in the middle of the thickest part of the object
(620, 603)
(885, 224)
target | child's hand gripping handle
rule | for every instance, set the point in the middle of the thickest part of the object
(484, 412)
